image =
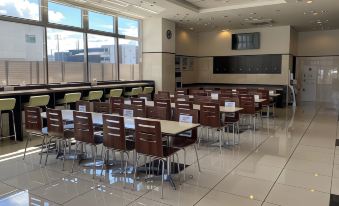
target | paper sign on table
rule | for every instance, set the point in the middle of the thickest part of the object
(186, 119)
(256, 97)
(229, 104)
(128, 113)
(215, 96)
(82, 108)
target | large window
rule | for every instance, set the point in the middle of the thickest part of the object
(102, 57)
(129, 59)
(65, 56)
(77, 49)
(128, 27)
(100, 22)
(26, 9)
(66, 15)
(21, 56)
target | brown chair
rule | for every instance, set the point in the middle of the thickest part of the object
(190, 138)
(157, 113)
(210, 118)
(181, 91)
(197, 92)
(115, 139)
(33, 126)
(226, 90)
(165, 103)
(184, 105)
(116, 104)
(102, 107)
(84, 134)
(201, 99)
(136, 111)
(83, 106)
(59, 131)
(248, 104)
(149, 143)
(231, 119)
(265, 94)
(181, 98)
(163, 95)
(242, 91)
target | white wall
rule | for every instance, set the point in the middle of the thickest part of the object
(318, 43)
(204, 45)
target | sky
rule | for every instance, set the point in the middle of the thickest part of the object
(61, 14)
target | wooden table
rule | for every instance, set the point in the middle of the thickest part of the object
(195, 106)
(170, 128)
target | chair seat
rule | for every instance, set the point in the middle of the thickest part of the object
(169, 151)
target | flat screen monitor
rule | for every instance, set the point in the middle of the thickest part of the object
(246, 41)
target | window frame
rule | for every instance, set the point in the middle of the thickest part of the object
(43, 22)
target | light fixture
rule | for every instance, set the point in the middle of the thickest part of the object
(148, 10)
(251, 197)
(309, 1)
(117, 2)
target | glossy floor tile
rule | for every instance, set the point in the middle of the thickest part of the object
(290, 160)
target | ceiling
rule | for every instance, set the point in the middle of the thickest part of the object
(205, 15)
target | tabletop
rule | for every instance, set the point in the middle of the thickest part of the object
(167, 127)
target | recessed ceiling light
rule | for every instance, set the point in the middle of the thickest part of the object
(309, 1)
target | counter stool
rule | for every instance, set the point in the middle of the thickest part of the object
(134, 92)
(148, 90)
(69, 98)
(114, 93)
(38, 101)
(7, 105)
(94, 96)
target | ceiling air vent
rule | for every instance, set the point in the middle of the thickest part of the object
(260, 22)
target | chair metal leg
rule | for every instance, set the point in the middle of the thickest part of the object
(104, 161)
(126, 165)
(196, 154)
(42, 148)
(178, 165)
(162, 178)
(238, 130)
(64, 156)
(48, 147)
(220, 142)
(94, 159)
(184, 164)
(13, 123)
(135, 170)
(75, 154)
(28, 138)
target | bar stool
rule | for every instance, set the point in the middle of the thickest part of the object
(69, 98)
(148, 90)
(38, 101)
(7, 105)
(134, 92)
(94, 96)
(114, 93)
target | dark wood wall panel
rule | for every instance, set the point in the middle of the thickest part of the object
(255, 64)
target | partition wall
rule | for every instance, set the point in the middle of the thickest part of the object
(51, 42)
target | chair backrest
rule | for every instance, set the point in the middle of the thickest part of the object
(210, 115)
(33, 121)
(242, 91)
(180, 98)
(83, 127)
(183, 105)
(148, 90)
(157, 113)
(197, 92)
(136, 91)
(163, 95)
(145, 96)
(165, 103)
(235, 99)
(264, 94)
(38, 101)
(7, 104)
(55, 123)
(114, 132)
(181, 91)
(117, 104)
(148, 138)
(247, 103)
(95, 95)
(140, 106)
(195, 119)
(225, 90)
(115, 92)
(201, 99)
(83, 106)
(102, 107)
(72, 97)
(137, 112)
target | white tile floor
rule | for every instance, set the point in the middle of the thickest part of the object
(292, 160)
